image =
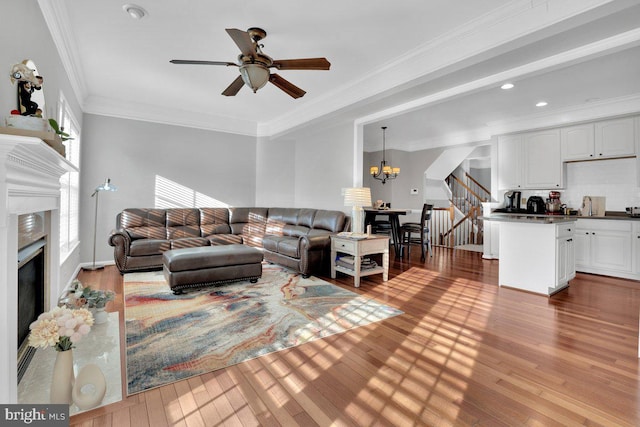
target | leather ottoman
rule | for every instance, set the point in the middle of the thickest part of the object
(210, 265)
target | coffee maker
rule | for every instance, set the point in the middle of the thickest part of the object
(512, 201)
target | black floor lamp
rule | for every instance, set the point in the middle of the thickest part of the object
(107, 186)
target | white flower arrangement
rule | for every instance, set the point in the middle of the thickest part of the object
(60, 328)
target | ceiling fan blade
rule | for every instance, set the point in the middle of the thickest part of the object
(286, 86)
(234, 87)
(186, 61)
(302, 64)
(243, 40)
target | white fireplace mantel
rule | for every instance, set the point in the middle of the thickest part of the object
(30, 174)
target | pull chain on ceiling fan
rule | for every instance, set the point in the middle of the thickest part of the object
(254, 65)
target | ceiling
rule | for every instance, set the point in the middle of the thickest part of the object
(429, 70)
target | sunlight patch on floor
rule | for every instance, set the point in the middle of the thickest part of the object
(450, 341)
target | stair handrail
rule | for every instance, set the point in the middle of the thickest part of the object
(466, 187)
(466, 229)
(482, 187)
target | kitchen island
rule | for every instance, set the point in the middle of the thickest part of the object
(537, 252)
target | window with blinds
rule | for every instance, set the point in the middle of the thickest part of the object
(69, 182)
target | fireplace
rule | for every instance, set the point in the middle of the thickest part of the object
(32, 292)
(30, 174)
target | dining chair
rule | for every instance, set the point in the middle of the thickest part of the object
(381, 223)
(417, 233)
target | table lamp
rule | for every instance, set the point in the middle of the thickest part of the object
(357, 197)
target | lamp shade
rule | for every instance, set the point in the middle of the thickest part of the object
(357, 196)
(106, 186)
(254, 75)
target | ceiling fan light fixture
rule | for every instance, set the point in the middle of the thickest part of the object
(254, 75)
(134, 11)
(254, 65)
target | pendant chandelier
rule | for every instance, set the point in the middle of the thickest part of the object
(384, 172)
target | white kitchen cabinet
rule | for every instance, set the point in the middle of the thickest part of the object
(582, 244)
(491, 232)
(509, 162)
(530, 161)
(541, 158)
(637, 136)
(565, 254)
(615, 138)
(577, 142)
(599, 140)
(604, 247)
(536, 255)
(491, 241)
(636, 248)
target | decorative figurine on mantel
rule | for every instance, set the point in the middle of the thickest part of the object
(28, 107)
(25, 74)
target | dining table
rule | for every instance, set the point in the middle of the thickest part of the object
(370, 215)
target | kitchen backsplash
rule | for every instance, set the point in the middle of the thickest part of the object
(614, 179)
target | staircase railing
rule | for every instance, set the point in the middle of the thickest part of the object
(477, 188)
(442, 220)
(466, 198)
(466, 231)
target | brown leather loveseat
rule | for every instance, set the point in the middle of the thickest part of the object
(296, 238)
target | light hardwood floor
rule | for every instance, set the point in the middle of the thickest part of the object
(465, 352)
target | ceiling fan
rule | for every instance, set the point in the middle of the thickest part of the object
(254, 64)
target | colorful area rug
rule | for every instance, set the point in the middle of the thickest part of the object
(171, 337)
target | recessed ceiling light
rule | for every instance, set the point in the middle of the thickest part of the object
(134, 11)
(541, 104)
(507, 86)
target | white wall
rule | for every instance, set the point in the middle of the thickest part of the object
(275, 172)
(217, 165)
(25, 35)
(483, 176)
(324, 165)
(306, 168)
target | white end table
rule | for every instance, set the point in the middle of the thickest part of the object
(358, 248)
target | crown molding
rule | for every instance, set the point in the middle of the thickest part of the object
(154, 114)
(55, 14)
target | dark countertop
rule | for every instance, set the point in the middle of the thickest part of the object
(530, 219)
(554, 219)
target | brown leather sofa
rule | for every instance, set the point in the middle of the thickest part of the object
(296, 238)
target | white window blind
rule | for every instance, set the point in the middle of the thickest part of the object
(69, 182)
